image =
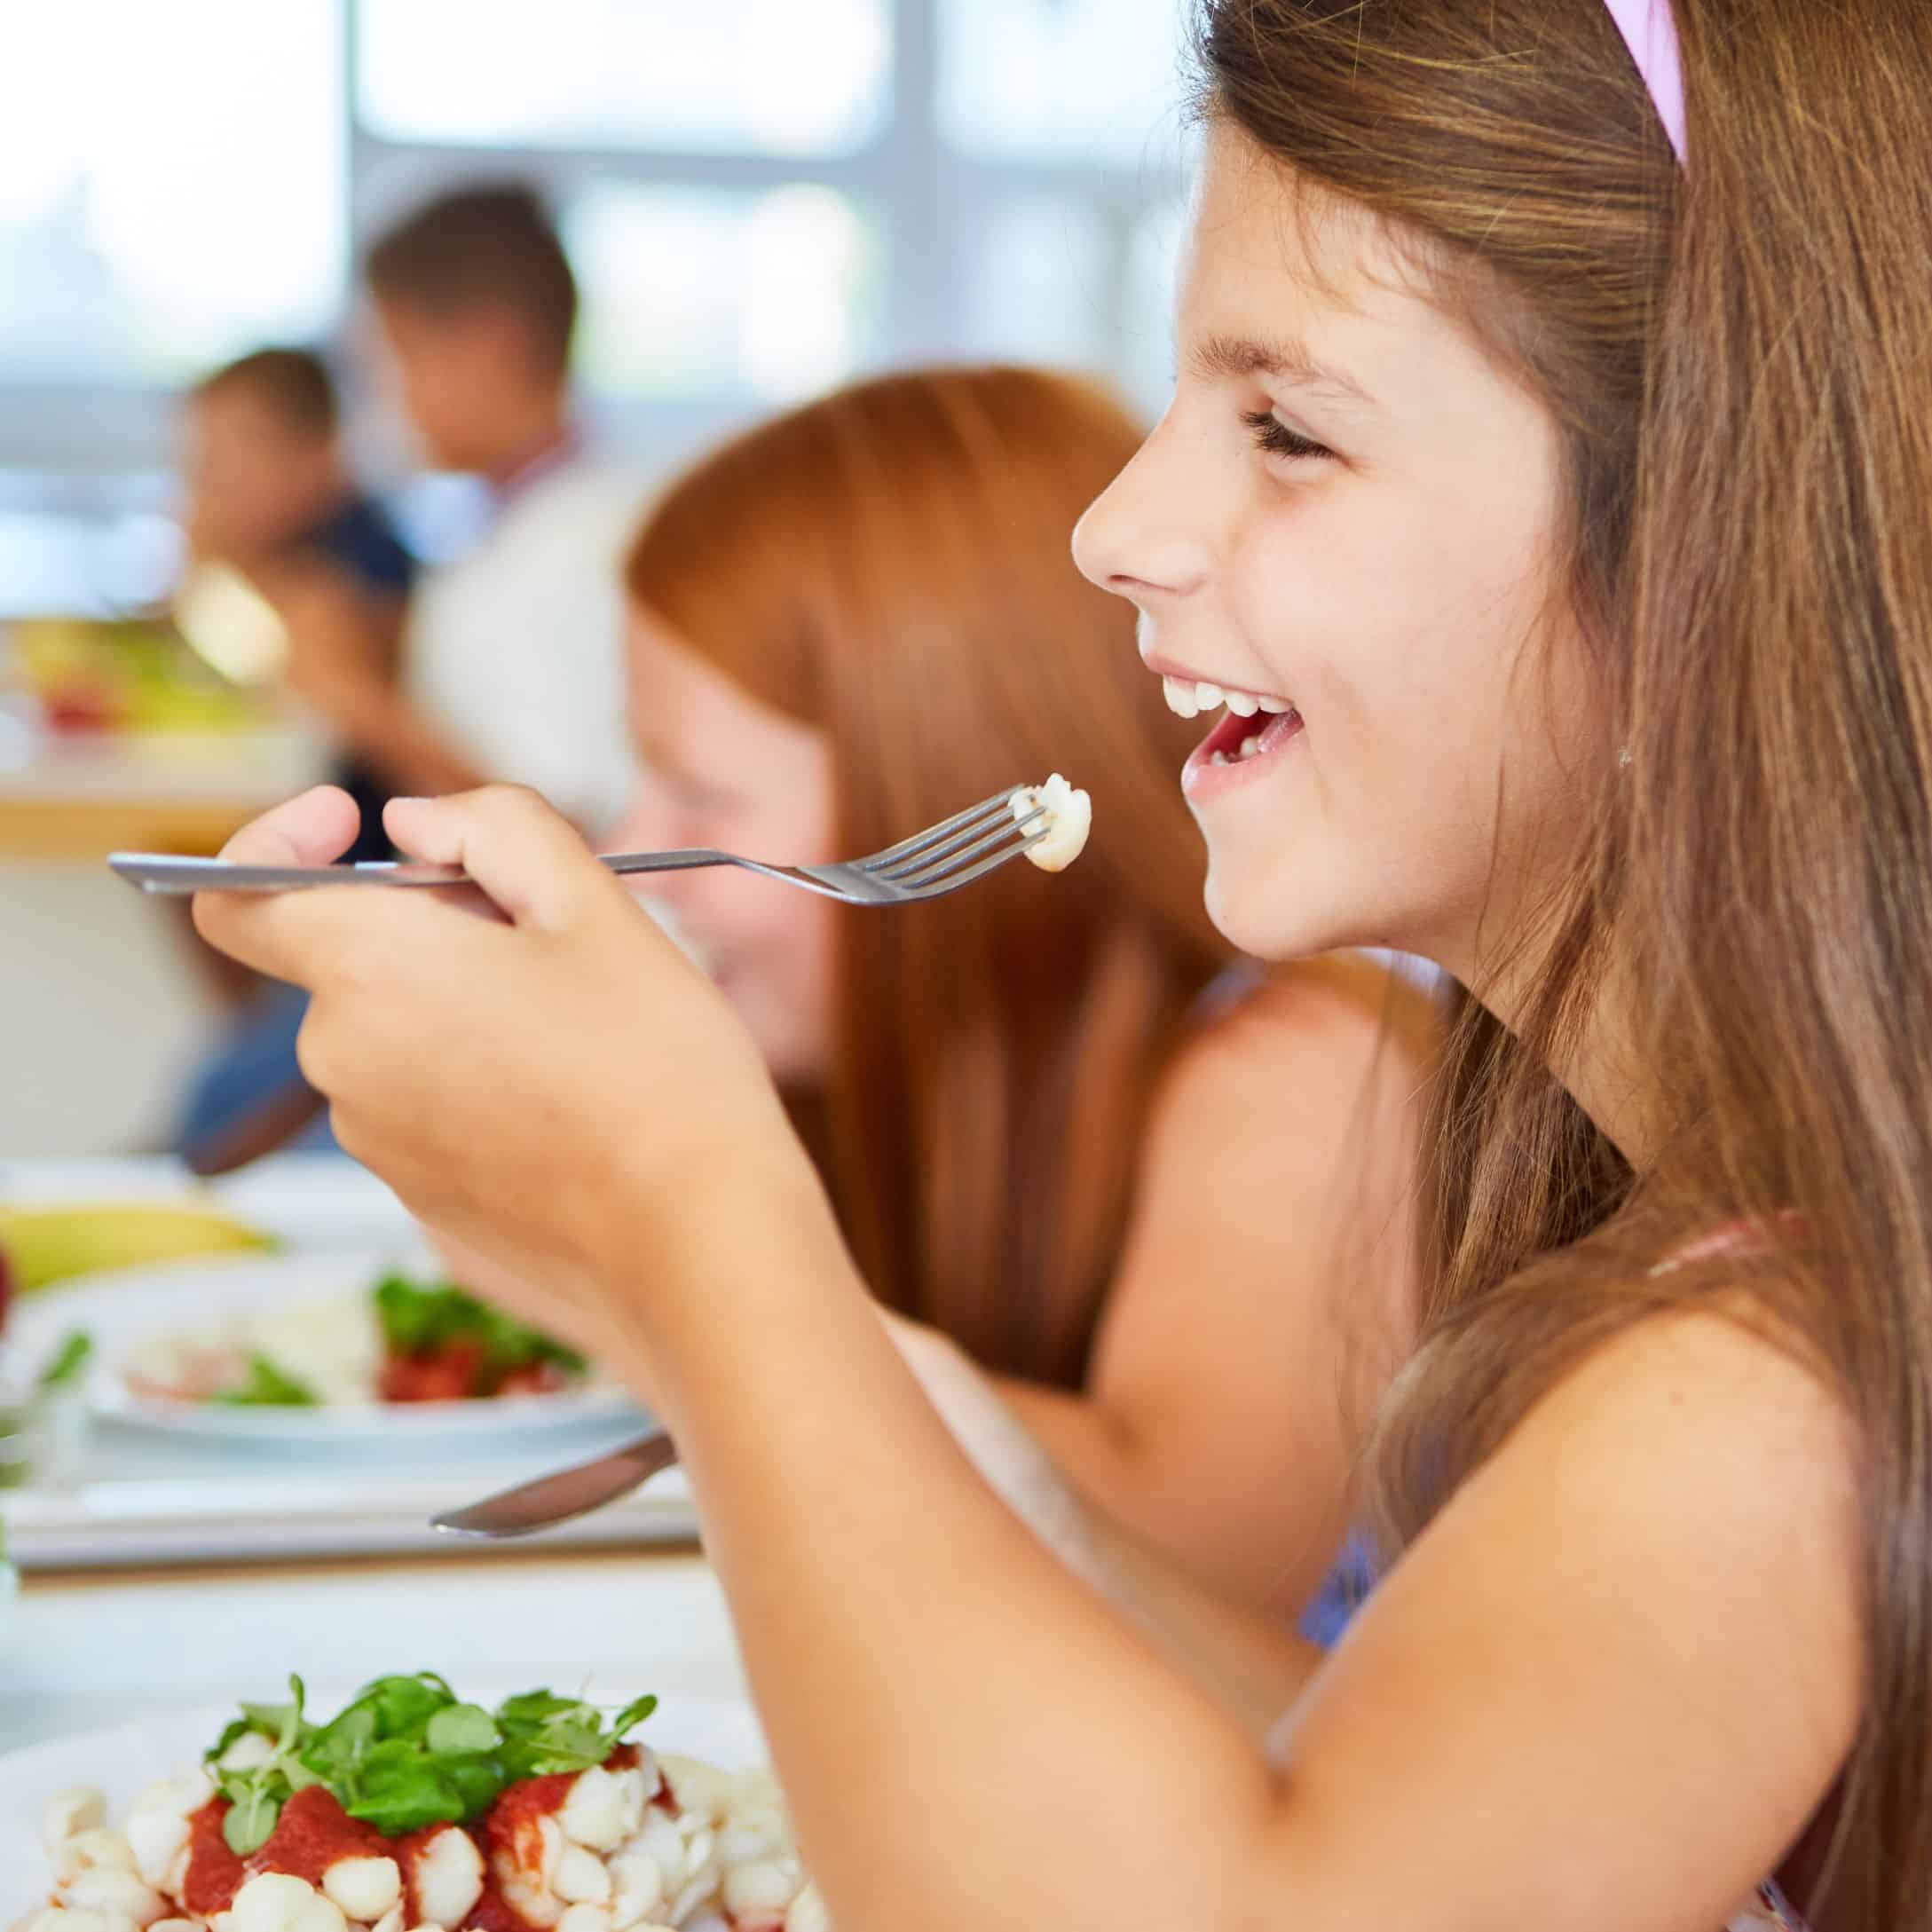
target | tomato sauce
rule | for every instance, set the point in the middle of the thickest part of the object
(314, 1831)
(450, 1374)
(511, 1824)
(494, 1912)
(534, 1378)
(215, 1874)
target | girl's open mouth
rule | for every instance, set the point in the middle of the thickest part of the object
(1241, 748)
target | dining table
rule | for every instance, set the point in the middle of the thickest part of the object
(93, 1650)
(72, 798)
(158, 1576)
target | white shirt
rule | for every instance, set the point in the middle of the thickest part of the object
(516, 650)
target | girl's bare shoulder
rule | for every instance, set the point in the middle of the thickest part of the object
(1329, 1024)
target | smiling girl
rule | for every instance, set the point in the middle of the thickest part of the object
(1551, 438)
(1042, 1110)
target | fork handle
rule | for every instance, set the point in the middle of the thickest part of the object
(164, 873)
(695, 859)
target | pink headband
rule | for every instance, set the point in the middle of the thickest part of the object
(1650, 31)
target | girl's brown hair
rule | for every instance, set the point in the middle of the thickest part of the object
(891, 565)
(1738, 352)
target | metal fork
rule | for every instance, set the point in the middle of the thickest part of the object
(941, 859)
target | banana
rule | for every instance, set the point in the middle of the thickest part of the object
(49, 1244)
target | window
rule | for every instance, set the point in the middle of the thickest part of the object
(1146, 354)
(1041, 289)
(760, 76)
(762, 199)
(1060, 80)
(707, 290)
(170, 186)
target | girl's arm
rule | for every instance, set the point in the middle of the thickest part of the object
(1248, 1663)
(1615, 1679)
(1266, 1286)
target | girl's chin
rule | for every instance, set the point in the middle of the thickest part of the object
(1240, 915)
(1267, 918)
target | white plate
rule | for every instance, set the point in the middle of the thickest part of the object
(122, 1308)
(123, 1762)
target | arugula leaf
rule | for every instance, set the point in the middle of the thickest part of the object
(509, 1344)
(237, 1729)
(633, 1713)
(268, 1387)
(405, 1705)
(531, 1707)
(405, 1752)
(251, 1818)
(401, 1788)
(256, 1795)
(75, 1351)
(341, 1744)
(459, 1728)
(478, 1781)
(421, 1318)
(276, 1721)
(411, 1316)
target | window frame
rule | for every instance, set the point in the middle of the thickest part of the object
(907, 178)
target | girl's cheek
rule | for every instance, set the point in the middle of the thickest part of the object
(640, 828)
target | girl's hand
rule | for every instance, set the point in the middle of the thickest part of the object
(551, 1084)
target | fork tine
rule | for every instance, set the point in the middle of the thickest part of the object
(950, 881)
(1010, 836)
(921, 840)
(966, 836)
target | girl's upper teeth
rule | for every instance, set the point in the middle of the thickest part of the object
(1188, 698)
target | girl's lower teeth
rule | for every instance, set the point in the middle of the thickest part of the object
(1250, 748)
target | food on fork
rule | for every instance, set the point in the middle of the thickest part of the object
(1068, 818)
(402, 1341)
(410, 1809)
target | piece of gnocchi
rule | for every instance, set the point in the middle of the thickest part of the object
(1065, 815)
(446, 1878)
(363, 1888)
(80, 1807)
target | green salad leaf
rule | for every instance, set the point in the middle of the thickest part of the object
(406, 1752)
(269, 1387)
(418, 1318)
(77, 1350)
(257, 1792)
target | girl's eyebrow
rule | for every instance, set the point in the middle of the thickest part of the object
(1286, 362)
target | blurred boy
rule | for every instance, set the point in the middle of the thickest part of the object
(515, 652)
(270, 494)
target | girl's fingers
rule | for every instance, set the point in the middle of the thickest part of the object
(524, 855)
(315, 829)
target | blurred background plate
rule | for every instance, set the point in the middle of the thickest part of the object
(124, 1308)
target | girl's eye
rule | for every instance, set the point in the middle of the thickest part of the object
(1274, 436)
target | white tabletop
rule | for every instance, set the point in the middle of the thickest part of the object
(81, 1654)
